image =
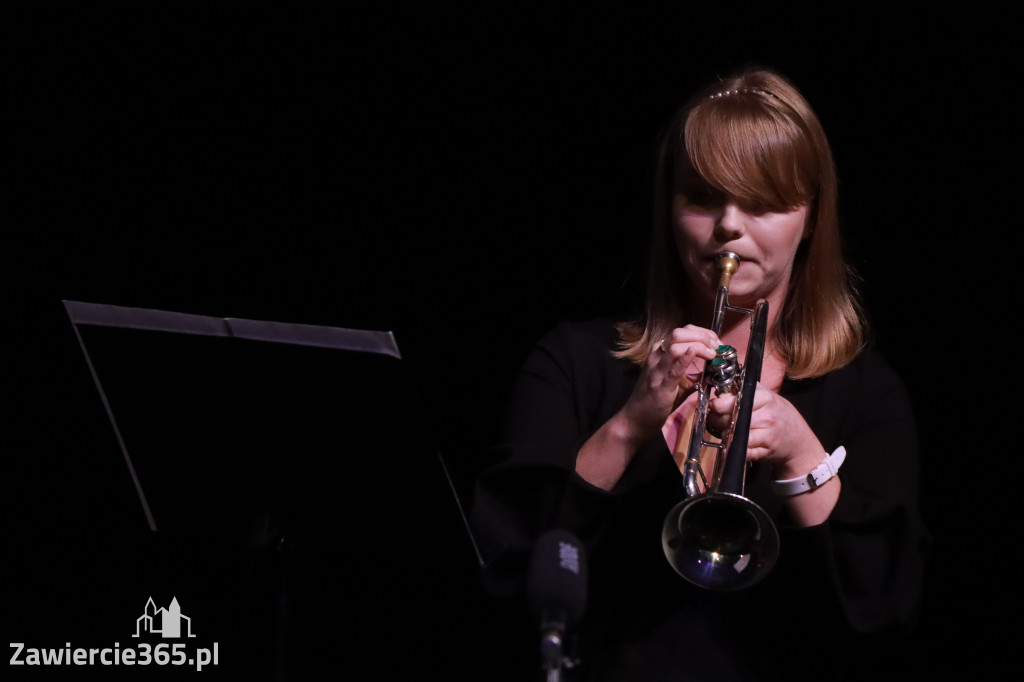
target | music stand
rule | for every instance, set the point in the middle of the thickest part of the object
(288, 487)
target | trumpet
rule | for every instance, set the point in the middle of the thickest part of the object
(717, 538)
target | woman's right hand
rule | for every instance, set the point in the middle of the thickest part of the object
(670, 374)
(604, 457)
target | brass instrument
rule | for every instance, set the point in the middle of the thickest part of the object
(715, 537)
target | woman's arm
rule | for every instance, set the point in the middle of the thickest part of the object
(605, 456)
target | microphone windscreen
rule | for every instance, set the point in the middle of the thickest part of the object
(557, 579)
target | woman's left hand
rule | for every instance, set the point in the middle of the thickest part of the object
(779, 435)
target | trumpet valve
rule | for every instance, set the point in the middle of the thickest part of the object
(724, 370)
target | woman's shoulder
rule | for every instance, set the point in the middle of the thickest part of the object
(872, 367)
(581, 348)
(870, 379)
(598, 333)
(863, 396)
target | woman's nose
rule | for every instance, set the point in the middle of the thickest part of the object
(729, 225)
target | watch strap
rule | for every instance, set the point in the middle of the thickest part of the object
(828, 468)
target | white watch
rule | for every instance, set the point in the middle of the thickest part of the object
(828, 468)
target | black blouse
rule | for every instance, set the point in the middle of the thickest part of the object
(834, 606)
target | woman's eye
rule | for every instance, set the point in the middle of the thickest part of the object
(704, 197)
(757, 208)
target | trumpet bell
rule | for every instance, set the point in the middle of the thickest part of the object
(720, 541)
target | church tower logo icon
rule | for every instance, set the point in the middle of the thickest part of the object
(168, 622)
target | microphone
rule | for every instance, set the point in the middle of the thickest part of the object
(557, 593)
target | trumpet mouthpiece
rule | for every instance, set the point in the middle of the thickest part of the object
(727, 263)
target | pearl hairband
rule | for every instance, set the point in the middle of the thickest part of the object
(754, 91)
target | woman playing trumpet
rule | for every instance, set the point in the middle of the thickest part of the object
(600, 408)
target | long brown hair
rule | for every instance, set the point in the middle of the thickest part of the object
(755, 137)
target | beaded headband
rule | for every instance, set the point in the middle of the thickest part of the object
(754, 91)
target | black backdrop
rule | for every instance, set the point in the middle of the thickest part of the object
(463, 178)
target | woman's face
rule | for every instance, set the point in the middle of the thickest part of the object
(707, 223)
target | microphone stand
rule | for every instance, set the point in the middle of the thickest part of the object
(551, 655)
(553, 650)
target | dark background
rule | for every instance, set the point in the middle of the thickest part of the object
(464, 178)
